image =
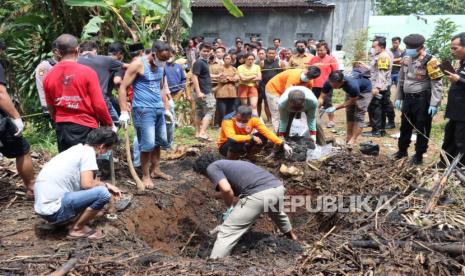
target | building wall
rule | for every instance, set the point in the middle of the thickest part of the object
(334, 26)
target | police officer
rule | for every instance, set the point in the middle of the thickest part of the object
(380, 69)
(454, 136)
(419, 94)
(40, 72)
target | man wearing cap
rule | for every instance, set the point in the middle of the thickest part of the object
(380, 71)
(279, 83)
(418, 96)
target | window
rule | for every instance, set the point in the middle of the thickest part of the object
(257, 35)
(211, 35)
(304, 36)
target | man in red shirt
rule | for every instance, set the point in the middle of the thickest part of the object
(73, 96)
(327, 65)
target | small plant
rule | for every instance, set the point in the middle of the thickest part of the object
(356, 49)
(439, 42)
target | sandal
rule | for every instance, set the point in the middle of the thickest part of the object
(91, 235)
(204, 139)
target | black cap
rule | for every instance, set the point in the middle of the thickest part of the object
(413, 41)
(313, 72)
(136, 47)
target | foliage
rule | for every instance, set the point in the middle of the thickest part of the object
(356, 49)
(407, 7)
(233, 9)
(439, 42)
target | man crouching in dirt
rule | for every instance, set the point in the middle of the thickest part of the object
(255, 189)
(66, 189)
(236, 136)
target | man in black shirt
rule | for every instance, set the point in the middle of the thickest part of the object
(205, 103)
(454, 136)
(12, 144)
(258, 191)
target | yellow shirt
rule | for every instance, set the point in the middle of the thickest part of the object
(301, 62)
(248, 71)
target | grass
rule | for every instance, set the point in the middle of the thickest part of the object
(41, 136)
(339, 96)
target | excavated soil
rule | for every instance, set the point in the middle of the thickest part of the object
(165, 231)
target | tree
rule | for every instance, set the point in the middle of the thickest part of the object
(407, 7)
(439, 42)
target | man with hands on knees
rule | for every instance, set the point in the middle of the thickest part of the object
(254, 189)
(66, 189)
(418, 95)
(236, 137)
(358, 98)
(297, 99)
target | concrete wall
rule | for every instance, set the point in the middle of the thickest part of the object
(334, 26)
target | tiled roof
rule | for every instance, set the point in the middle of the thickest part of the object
(265, 3)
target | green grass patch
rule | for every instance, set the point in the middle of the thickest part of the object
(41, 136)
(339, 96)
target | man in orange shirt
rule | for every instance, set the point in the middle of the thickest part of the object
(279, 83)
(236, 136)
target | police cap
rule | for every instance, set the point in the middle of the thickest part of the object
(414, 41)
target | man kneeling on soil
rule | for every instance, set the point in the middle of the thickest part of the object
(236, 136)
(65, 188)
(255, 189)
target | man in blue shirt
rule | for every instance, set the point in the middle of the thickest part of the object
(149, 108)
(176, 83)
(358, 97)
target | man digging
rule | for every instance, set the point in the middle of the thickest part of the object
(253, 188)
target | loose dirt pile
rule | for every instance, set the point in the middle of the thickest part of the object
(166, 230)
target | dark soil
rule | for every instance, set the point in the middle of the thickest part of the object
(166, 230)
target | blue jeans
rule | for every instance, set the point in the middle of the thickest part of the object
(150, 128)
(395, 79)
(74, 203)
(135, 153)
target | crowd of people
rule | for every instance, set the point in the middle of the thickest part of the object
(229, 87)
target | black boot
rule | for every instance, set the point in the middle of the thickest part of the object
(417, 159)
(390, 125)
(375, 133)
(400, 154)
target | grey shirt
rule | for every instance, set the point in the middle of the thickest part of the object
(245, 178)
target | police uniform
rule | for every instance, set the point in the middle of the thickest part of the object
(454, 136)
(380, 69)
(40, 72)
(420, 87)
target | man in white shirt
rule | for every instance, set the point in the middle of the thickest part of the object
(66, 189)
(340, 56)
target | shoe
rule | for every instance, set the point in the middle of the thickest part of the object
(399, 155)
(330, 124)
(390, 126)
(371, 134)
(417, 159)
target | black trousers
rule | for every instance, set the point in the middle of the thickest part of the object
(236, 147)
(415, 111)
(226, 106)
(70, 134)
(377, 111)
(454, 139)
(390, 113)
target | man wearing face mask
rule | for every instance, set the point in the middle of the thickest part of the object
(418, 96)
(149, 108)
(297, 99)
(74, 97)
(279, 83)
(301, 58)
(236, 136)
(380, 71)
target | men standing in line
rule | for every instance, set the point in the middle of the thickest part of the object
(40, 72)
(205, 103)
(454, 136)
(380, 71)
(418, 96)
(74, 97)
(149, 108)
(257, 190)
(104, 66)
(301, 58)
(12, 143)
(277, 46)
